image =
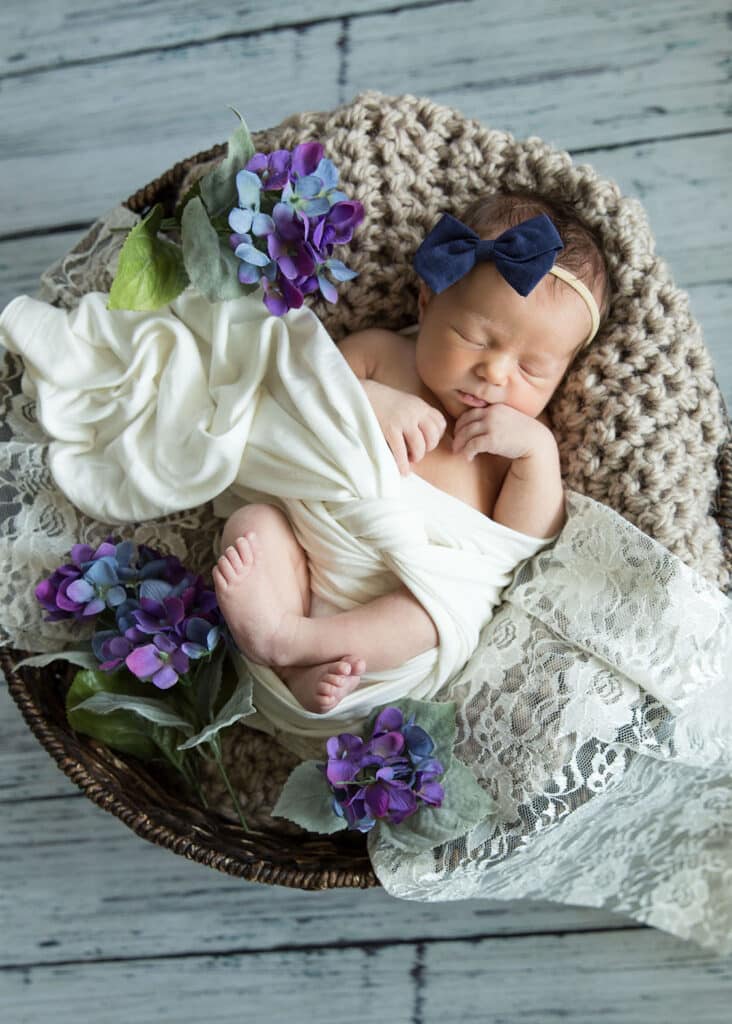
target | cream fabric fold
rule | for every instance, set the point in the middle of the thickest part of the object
(151, 413)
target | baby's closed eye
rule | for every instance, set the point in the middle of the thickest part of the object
(533, 371)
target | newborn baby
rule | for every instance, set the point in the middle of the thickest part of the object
(462, 406)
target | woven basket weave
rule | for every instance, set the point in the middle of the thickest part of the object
(407, 159)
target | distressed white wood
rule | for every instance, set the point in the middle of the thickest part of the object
(121, 123)
(686, 190)
(643, 979)
(22, 260)
(510, 73)
(578, 74)
(54, 32)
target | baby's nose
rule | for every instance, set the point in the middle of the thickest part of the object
(494, 368)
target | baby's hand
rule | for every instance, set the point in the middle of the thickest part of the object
(500, 430)
(410, 425)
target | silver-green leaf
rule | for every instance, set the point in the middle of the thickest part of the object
(85, 659)
(465, 805)
(218, 187)
(211, 265)
(146, 707)
(307, 799)
(238, 706)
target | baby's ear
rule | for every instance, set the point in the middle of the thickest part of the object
(424, 297)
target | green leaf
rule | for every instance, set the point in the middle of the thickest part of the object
(120, 730)
(146, 707)
(218, 187)
(207, 683)
(211, 265)
(466, 804)
(238, 706)
(307, 799)
(83, 658)
(150, 272)
(436, 718)
(168, 741)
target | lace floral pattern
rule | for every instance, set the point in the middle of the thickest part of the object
(605, 671)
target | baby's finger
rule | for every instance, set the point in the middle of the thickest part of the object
(399, 451)
(417, 447)
(464, 433)
(433, 429)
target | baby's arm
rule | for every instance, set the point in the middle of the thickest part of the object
(531, 499)
(411, 427)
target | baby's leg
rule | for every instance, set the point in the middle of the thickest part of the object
(254, 594)
(272, 627)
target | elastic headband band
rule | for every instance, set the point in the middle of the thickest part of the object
(584, 292)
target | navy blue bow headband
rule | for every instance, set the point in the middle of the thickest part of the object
(523, 254)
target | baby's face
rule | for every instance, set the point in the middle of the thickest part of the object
(481, 338)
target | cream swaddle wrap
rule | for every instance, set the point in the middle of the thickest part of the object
(156, 412)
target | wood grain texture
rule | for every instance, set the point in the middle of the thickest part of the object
(52, 34)
(577, 74)
(134, 118)
(529, 979)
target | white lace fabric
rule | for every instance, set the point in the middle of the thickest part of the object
(618, 686)
(598, 697)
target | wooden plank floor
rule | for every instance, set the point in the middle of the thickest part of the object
(97, 98)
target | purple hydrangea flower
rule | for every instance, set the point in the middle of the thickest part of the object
(201, 638)
(162, 662)
(89, 583)
(273, 169)
(164, 615)
(387, 777)
(289, 253)
(281, 295)
(246, 216)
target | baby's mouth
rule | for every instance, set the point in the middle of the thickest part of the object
(469, 399)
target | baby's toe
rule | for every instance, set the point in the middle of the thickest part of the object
(226, 569)
(244, 550)
(330, 684)
(235, 554)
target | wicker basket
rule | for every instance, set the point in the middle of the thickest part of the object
(150, 803)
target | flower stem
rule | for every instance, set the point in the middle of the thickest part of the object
(191, 775)
(214, 744)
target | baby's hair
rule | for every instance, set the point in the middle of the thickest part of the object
(582, 254)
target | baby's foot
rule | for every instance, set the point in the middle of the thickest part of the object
(249, 602)
(320, 688)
